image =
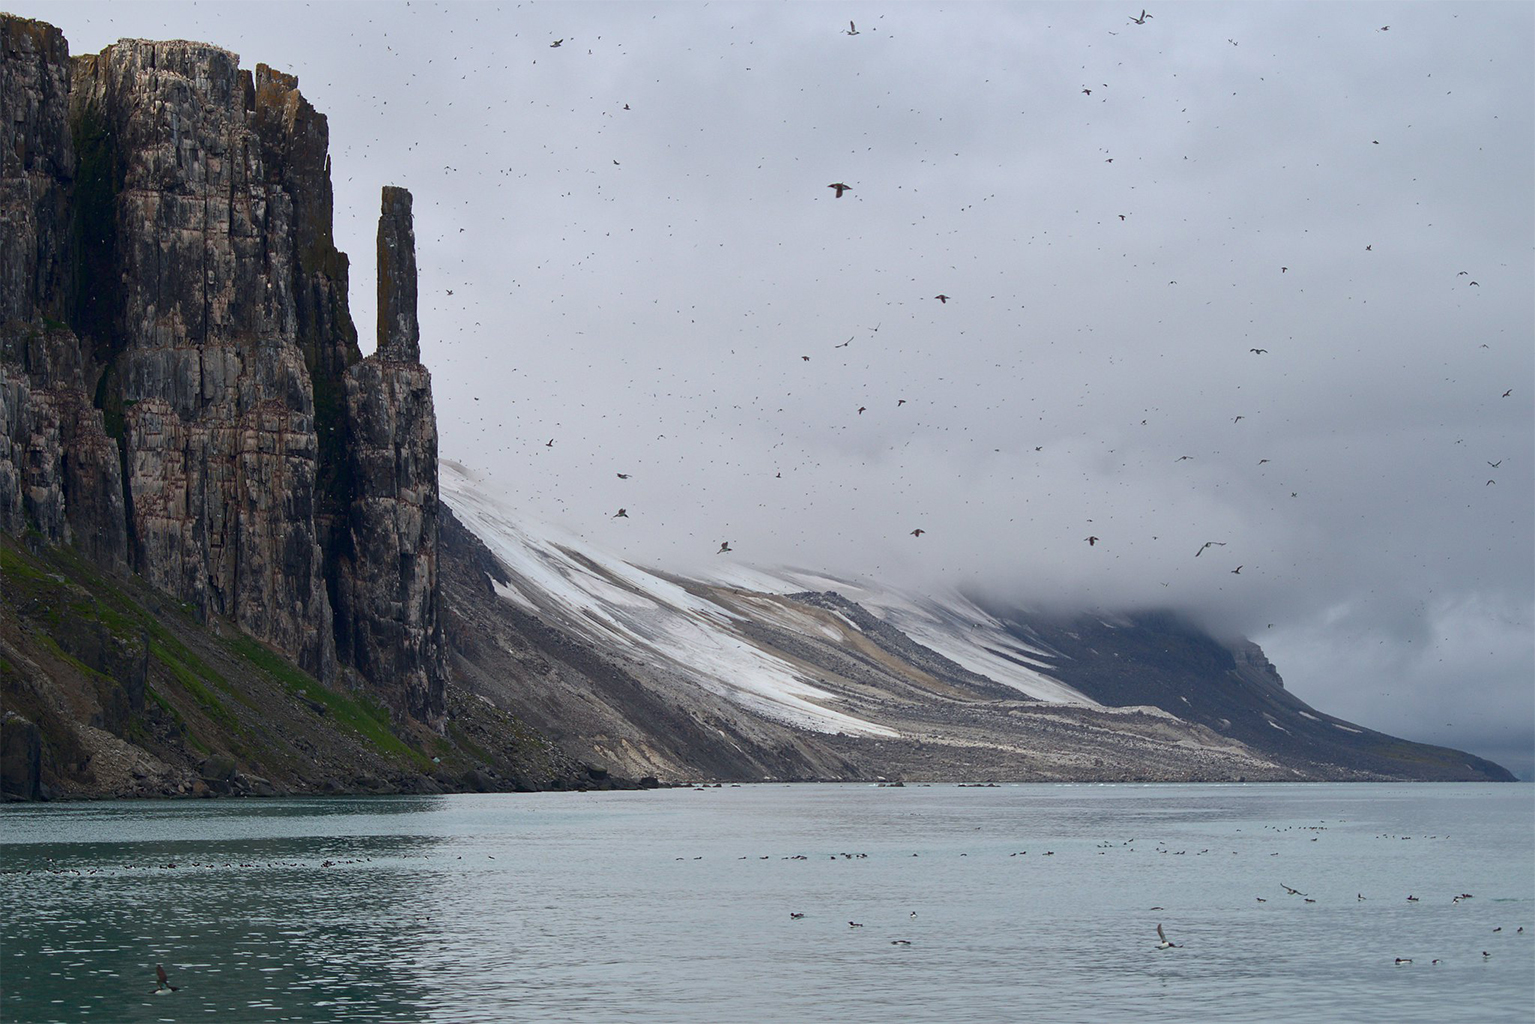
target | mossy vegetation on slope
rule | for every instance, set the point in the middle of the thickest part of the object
(131, 696)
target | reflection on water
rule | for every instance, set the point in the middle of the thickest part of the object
(674, 906)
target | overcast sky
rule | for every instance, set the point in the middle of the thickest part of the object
(627, 246)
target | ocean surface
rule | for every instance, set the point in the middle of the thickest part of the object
(1017, 903)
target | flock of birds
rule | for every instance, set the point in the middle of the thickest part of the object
(632, 511)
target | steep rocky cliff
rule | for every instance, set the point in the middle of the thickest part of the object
(181, 389)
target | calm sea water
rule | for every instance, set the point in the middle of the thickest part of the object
(1034, 903)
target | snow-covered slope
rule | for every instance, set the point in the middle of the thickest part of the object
(749, 672)
(605, 599)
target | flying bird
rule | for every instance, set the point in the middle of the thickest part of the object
(942, 298)
(1236, 418)
(1142, 21)
(550, 443)
(724, 548)
(918, 532)
(556, 43)
(1210, 543)
(844, 344)
(621, 514)
(1495, 465)
(1284, 269)
(1258, 351)
(1506, 395)
(162, 984)
(861, 410)
(1162, 940)
(851, 30)
(841, 188)
(806, 358)
(902, 401)
(1087, 92)
(1238, 571)
(623, 476)
(1293, 892)
(1091, 540)
(1181, 458)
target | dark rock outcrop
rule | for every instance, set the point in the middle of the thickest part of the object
(181, 389)
(388, 595)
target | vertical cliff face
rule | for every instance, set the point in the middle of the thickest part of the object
(198, 335)
(59, 470)
(389, 593)
(181, 389)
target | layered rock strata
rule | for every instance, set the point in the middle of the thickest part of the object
(181, 390)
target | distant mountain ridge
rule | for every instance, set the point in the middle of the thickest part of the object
(760, 677)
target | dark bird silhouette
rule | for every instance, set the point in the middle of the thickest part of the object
(1367, 248)
(1162, 940)
(161, 982)
(1506, 395)
(1284, 269)
(1181, 458)
(1087, 92)
(623, 476)
(1489, 482)
(1461, 273)
(550, 443)
(841, 188)
(851, 30)
(854, 924)
(918, 532)
(1238, 571)
(626, 106)
(1293, 892)
(1473, 284)
(1258, 351)
(1142, 21)
(942, 298)
(621, 514)
(861, 410)
(806, 358)
(844, 344)
(1120, 215)
(1091, 540)
(1210, 543)
(1236, 418)
(1383, 29)
(556, 43)
(724, 548)
(1495, 465)
(902, 401)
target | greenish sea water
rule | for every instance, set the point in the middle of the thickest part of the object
(973, 904)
